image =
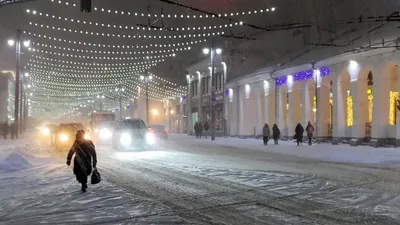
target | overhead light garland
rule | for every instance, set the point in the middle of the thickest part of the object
(137, 27)
(127, 36)
(176, 16)
(112, 52)
(46, 37)
(102, 57)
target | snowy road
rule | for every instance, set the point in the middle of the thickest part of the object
(185, 181)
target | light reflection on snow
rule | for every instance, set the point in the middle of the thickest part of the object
(142, 155)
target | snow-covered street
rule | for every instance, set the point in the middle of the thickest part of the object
(188, 181)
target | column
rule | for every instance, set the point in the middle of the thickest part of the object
(181, 116)
(270, 105)
(360, 108)
(322, 113)
(200, 99)
(241, 100)
(281, 120)
(258, 122)
(398, 112)
(232, 113)
(139, 104)
(380, 108)
(307, 105)
(189, 108)
(339, 107)
(291, 123)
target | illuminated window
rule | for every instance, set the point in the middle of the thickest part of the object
(393, 96)
(349, 111)
(370, 105)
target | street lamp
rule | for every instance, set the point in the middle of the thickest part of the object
(147, 80)
(212, 52)
(17, 44)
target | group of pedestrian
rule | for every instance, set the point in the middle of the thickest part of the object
(299, 130)
(198, 129)
(267, 133)
(6, 129)
(299, 133)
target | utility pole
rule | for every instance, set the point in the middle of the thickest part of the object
(17, 81)
(147, 104)
(213, 92)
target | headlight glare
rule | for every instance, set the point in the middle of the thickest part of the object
(150, 138)
(125, 139)
(63, 138)
(105, 134)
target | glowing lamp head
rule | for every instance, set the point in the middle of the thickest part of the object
(27, 43)
(11, 42)
(206, 51)
(125, 139)
(218, 51)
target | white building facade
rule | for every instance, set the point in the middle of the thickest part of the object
(350, 97)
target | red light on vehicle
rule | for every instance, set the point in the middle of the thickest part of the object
(165, 131)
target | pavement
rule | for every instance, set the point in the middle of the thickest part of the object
(321, 151)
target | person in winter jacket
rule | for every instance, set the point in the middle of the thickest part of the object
(6, 130)
(206, 128)
(200, 127)
(275, 133)
(13, 131)
(196, 129)
(310, 131)
(299, 134)
(85, 157)
(266, 134)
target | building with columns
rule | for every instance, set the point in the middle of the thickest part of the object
(351, 96)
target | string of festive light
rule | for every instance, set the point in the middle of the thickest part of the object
(176, 16)
(127, 36)
(46, 37)
(75, 85)
(111, 52)
(141, 27)
(102, 57)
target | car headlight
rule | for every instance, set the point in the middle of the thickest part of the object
(87, 136)
(150, 138)
(63, 138)
(125, 139)
(105, 134)
(45, 131)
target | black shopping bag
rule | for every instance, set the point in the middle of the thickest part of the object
(96, 178)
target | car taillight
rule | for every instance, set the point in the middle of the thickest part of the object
(165, 131)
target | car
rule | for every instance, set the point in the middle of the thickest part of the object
(47, 134)
(159, 131)
(104, 132)
(132, 134)
(66, 135)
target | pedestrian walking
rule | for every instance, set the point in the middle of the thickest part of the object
(310, 131)
(206, 128)
(13, 130)
(266, 134)
(200, 130)
(6, 130)
(299, 134)
(196, 129)
(85, 157)
(275, 133)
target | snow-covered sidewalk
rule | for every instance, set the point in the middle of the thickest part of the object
(324, 151)
(36, 188)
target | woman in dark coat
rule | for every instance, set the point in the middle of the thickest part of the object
(266, 134)
(299, 134)
(85, 157)
(275, 133)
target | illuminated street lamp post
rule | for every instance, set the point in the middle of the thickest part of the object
(17, 44)
(147, 80)
(213, 99)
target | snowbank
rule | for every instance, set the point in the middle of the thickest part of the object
(14, 162)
